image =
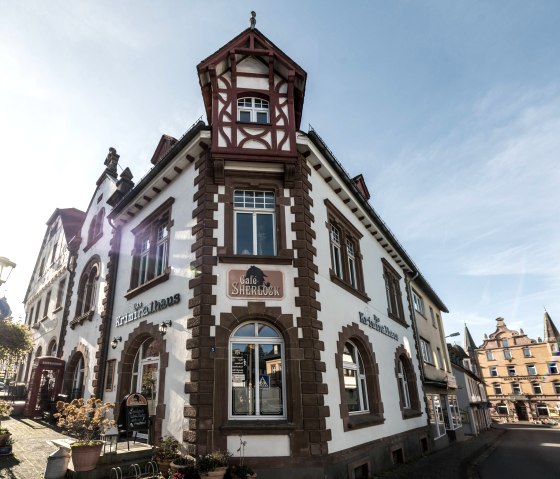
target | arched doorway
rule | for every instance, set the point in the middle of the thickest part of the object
(145, 373)
(521, 411)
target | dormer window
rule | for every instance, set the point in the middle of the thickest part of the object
(253, 110)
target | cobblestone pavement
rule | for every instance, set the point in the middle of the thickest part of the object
(453, 462)
(31, 449)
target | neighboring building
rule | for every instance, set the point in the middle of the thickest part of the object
(439, 383)
(471, 390)
(46, 306)
(521, 375)
(246, 286)
(48, 288)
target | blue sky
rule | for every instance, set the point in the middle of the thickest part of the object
(451, 111)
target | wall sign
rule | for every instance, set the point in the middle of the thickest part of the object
(255, 283)
(140, 310)
(374, 324)
(133, 415)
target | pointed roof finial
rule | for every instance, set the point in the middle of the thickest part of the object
(253, 20)
(551, 332)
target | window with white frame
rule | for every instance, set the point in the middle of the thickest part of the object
(253, 110)
(490, 355)
(502, 409)
(497, 388)
(351, 257)
(151, 247)
(432, 315)
(354, 380)
(435, 413)
(426, 350)
(255, 222)
(336, 251)
(493, 371)
(553, 368)
(403, 384)
(531, 369)
(511, 370)
(542, 409)
(454, 414)
(256, 372)
(557, 388)
(507, 354)
(527, 352)
(145, 373)
(516, 388)
(536, 388)
(418, 302)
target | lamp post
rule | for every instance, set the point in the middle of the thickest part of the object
(6, 267)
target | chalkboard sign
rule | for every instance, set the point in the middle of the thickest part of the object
(133, 414)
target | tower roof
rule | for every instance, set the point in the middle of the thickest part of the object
(550, 331)
(469, 341)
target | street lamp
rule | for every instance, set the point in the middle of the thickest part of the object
(452, 335)
(6, 267)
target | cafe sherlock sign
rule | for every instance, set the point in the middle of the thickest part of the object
(374, 324)
(255, 283)
(141, 311)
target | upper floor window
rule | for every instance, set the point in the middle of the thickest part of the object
(151, 246)
(516, 388)
(536, 388)
(87, 288)
(531, 369)
(346, 259)
(255, 222)
(505, 343)
(441, 363)
(527, 352)
(493, 371)
(553, 368)
(497, 388)
(418, 302)
(253, 110)
(489, 355)
(511, 370)
(47, 304)
(393, 292)
(60, 293)
(426, 350)
(432, 315)
(257, 365)
(507, 354)
(95, 230)
(556, 388)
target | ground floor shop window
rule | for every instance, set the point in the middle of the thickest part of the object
(145, 373)
(256, 365)
(435, 410)
(502, 409)
(453, 418)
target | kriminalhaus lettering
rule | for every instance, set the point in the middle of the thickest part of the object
(142, 311)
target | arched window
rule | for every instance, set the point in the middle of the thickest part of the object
(355, 384)
(39, 352)
(51, 350)
(145, 373)
(78, 378)
(256, 372)
(406, 381)
(95, 230)
(87, 288)
(253, 110)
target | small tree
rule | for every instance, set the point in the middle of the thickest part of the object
(15, 342)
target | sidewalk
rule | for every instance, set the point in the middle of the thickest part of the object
(452, 462)
(31, 449)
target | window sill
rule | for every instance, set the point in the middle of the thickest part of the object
(359, 421)
(36, 325)
(57, 309)
(411, 413)
(258, 427)
(253, 123)
(92, 242)
(255, 259)
(79, 320)
(398, 320)
(131, 293)
(348, 287)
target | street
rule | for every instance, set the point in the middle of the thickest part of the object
(524, 450)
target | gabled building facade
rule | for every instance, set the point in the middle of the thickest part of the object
(245, 286)
(521, 374)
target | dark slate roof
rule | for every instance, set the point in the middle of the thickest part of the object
(550, 331)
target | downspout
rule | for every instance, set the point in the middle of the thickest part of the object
(112, 274)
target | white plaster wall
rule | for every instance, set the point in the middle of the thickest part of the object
(340, 308)
(180, 257)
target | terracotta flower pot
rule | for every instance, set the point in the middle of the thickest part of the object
(85, 458)
(218, 472)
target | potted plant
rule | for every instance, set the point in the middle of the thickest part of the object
(242, 470)
(186, 466)
(85, 420)
(166, 451)
(6, 440)
(214, 464)
(6, 446)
